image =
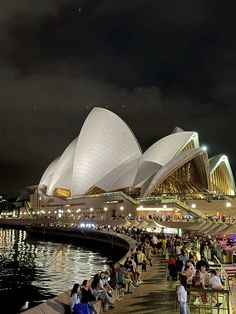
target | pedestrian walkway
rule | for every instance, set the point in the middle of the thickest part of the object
(155, 295)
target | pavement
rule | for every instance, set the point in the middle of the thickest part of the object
(155, 295)
(158, 295)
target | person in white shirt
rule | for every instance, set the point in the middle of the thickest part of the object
(75, 296)
(182, 295)
(215, 281)
(216, 284)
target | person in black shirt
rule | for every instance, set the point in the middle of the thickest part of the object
(87, 296)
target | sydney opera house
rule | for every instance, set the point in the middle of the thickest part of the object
(103, 171)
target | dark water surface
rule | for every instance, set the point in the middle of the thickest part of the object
(34, 270)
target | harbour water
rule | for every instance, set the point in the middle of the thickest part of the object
(34, 270)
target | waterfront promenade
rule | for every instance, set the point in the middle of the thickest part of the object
(155, 295)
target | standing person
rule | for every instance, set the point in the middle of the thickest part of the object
(139, 258)
(172, 269)
(182, 295)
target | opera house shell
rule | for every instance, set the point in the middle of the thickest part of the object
(106, 156)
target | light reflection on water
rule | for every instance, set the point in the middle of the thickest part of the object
(34, 270)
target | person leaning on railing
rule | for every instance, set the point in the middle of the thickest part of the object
(216, 284)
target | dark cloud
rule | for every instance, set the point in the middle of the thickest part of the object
(156, 64)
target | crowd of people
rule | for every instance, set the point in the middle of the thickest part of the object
(187, 258)
(189, 263)
(119, 277)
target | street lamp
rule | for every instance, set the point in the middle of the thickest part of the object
(193, 205)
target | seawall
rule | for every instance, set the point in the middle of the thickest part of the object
(113, 241)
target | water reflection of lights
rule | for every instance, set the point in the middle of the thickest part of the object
(52, 268)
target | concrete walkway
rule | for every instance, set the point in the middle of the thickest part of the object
(155, 295)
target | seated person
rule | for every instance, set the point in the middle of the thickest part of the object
(123, 277)
(101, 293)
(87, 296)
(128, 265)
(104, 284)
(75, 296)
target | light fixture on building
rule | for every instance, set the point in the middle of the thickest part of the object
(105, 209)
(193, 205)
(91, 209)
(121, 208)
(228, 204)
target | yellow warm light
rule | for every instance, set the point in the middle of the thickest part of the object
(62, 192)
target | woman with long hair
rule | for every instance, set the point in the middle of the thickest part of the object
(75, 296)
(101, 293)
(183, 295)
(87, 296)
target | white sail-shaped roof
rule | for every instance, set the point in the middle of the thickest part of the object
(161, 152)
(62, 176)
(166, 148)
(107, 155)
(177, 162)
(45, 180)
(122, 177)
(105, 142)
(222, 160)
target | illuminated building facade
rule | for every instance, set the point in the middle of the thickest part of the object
(105, 163)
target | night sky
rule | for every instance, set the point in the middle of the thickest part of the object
(157, 64)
